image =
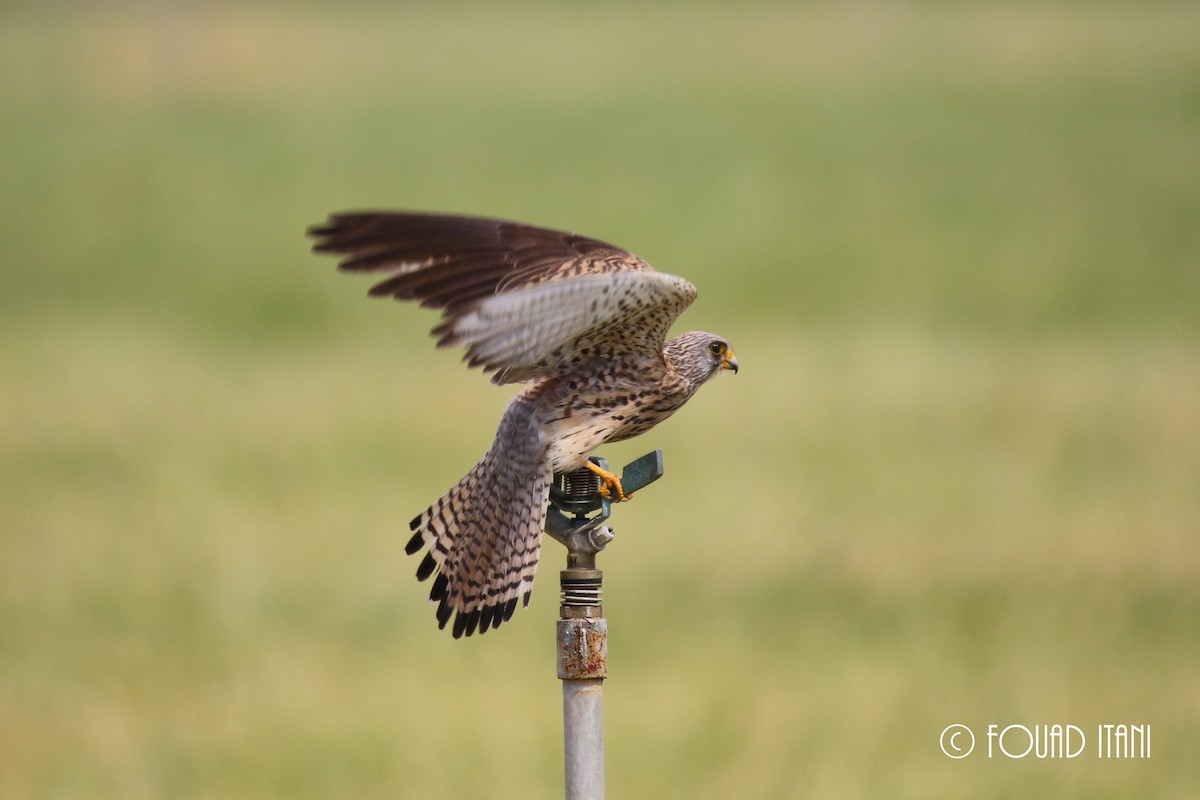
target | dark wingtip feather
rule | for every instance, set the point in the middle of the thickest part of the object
(379, 290)
(480, 620)
(316, 231)
(460, 624)
(443, 613)
(472, 622)
(415, 543)
(486, 616)
(426, 568)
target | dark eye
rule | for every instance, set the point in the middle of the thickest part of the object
(716, 348)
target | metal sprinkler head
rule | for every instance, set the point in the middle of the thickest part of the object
(574, 495)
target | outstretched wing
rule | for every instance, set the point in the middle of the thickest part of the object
(526, 302)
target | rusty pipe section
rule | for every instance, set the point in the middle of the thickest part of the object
(582, 648)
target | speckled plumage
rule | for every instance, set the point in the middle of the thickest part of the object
(581, 322)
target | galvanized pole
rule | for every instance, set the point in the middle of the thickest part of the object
(582, 668)
(582, 629)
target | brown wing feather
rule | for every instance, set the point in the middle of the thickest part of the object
(526, 302)
(451, 262)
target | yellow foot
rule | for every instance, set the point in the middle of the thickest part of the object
(611, 483)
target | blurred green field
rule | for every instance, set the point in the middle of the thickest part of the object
(955, 247)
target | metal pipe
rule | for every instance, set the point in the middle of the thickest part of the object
(582, 628)
(583, 740)
(582, 667)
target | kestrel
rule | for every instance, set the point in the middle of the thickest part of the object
(581, 323)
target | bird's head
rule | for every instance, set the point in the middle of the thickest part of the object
(698, 355)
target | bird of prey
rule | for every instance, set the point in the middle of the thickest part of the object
(581, 323)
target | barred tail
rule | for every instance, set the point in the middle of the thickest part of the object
(484, 536)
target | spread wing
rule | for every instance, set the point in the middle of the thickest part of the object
(526, 302)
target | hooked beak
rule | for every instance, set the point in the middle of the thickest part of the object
(730, 362)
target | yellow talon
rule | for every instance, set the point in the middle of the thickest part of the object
(611, 482)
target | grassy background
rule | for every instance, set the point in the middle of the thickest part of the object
(955, 246)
